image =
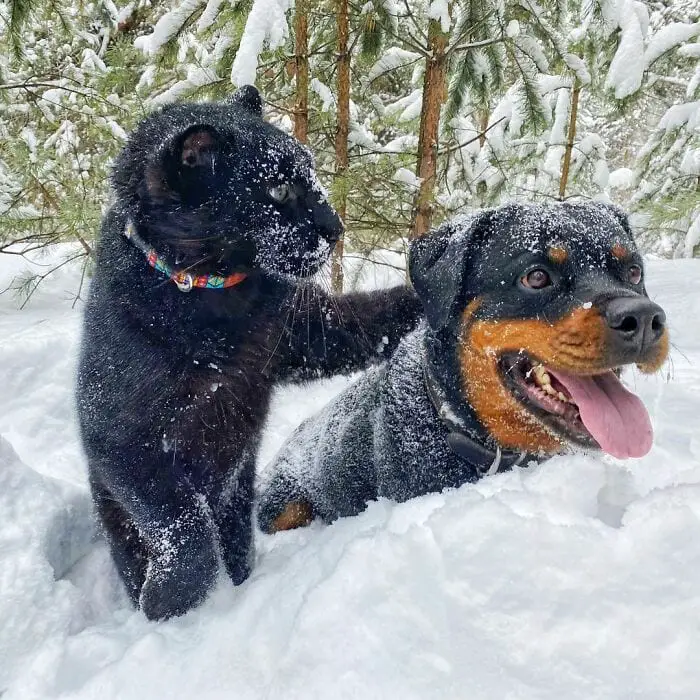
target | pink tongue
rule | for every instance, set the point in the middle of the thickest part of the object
(614, 416)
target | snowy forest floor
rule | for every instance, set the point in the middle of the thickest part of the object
(577, 578)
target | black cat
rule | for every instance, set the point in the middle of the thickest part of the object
(194, 314)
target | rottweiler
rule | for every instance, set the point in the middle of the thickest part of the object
(531, 312)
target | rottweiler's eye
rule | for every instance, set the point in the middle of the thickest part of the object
(634, 274)
(536, 279)
(280, 193)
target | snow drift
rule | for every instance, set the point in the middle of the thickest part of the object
(577, 578)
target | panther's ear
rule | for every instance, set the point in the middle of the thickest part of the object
(437, 263)
(247, 97)
(180, 160)
(197, 147)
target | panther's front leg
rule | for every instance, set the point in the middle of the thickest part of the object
(182, 564)
(346, 333)
(173, 525)
(231, 502)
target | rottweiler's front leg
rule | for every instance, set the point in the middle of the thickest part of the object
(342, 334)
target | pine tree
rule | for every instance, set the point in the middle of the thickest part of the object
(67, 100)
(664, 183)
(341, 134)
(414, 110)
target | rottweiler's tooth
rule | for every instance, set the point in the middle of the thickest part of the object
(561, 396)
(537, 372)
(541, 375)
(549, 389)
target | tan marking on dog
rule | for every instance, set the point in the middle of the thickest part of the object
(295, 514)
(558, 254)
(576, 343)
(619, 251)
(653, 364)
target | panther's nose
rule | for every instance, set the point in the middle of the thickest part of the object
(327, 222)
(637, 323)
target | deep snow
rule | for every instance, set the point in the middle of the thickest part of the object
(577, 578)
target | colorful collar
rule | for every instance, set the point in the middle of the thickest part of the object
(184, 280)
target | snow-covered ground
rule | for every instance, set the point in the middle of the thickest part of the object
(577, 578)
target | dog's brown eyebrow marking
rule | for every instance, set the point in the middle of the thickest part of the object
(558, 254)
(619, 251)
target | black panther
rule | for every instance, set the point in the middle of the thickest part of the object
(531, 312)
(197, 308)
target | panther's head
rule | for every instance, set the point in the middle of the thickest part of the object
(213, 187)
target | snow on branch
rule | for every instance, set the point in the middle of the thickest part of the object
(627, 67)
(392, 59)
(266, 23)
(198, 75)
(668, 38)
(325, 93)
(167, 27)
(680, 115)
(209, 15)
(578, 66)
(439, 10)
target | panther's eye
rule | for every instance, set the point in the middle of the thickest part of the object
(634, 274)
(280, 193)
(536, 279)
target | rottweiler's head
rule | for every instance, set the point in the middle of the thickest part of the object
(543, 306)
(214, 186)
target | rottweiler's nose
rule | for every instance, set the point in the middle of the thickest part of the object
(637, 322)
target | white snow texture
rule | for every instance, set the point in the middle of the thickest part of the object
(575, 579)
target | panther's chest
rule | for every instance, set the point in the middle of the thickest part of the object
(216, 412)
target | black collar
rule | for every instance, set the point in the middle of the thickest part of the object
(485, 460)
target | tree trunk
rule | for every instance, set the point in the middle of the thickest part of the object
(483, 126)
(301, 58)
(571, 135)
(341, 135)
(434, 94)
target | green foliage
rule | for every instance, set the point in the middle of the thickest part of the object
(76, 83)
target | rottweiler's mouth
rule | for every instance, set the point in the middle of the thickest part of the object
(592, 410)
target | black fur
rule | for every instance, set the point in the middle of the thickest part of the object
(173, 388)
(383, 436)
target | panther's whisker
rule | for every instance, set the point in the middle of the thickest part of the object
(295, 304)
(323, 328)
(334, 300)
(308, 316)
(360, 327)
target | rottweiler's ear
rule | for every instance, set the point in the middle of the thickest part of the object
(181, 160)
(437, 263)
(247, 97)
